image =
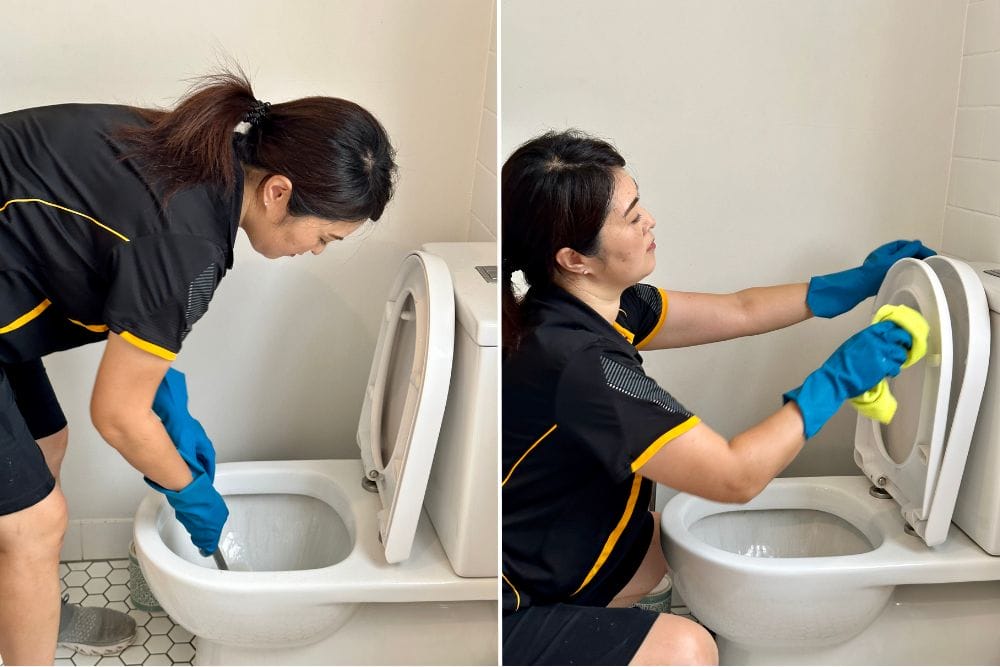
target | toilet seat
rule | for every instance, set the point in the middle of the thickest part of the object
(406, 394)
(919, 457)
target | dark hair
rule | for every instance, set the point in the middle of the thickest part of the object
(555, 193)
(337, 155)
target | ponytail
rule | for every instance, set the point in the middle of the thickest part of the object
(336, 154)
(555, 192)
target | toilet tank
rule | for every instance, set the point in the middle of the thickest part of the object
(461, 498)
(977, 510)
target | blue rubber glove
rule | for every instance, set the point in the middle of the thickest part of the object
(837, 293)
(193, 444)
(200, 509)
(859, 364)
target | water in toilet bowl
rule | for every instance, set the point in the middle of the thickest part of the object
(272, 532)
(235, 552)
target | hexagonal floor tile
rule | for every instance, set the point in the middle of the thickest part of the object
(94, 601)
(181, 652)
(180, 635)
(134, 655)
(116, 593)
(118, 577)
(141, 617)
(96, 586)
(76, 578)
(99, 569)
(75, 595)
(159, 644)
(160, 626)
(158, 640)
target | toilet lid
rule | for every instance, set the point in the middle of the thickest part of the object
(406, 395)
(920, 456)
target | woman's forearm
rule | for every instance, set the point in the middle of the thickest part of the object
(771, 308)
(144, 443)
(764, 450)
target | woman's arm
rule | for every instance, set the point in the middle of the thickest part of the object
(694, 318)
(703, 463)
(120, 409)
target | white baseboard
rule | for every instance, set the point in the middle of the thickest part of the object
(97, 539)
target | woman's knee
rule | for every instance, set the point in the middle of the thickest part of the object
(54, 449)
(674, 640)
(37, 531)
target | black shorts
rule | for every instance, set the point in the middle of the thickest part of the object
(28, 411)
(564, 634)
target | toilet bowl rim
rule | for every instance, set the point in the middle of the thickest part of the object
(358, 506)
(363, 576)
(881, 525)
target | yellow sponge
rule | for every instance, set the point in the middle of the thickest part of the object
(878, 402)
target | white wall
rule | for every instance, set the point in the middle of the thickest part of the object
(277, 367)
(972, 217)
(483, 219)
(771, 141)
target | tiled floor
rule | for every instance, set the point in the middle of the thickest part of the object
(158, 640)
(104, 583)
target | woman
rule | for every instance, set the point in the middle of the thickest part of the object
(116, 225)
(586, 432)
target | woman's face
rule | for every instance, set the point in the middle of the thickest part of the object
(296, 235)
(274, 233)
(627, 251)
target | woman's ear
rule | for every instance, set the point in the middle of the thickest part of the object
(571, 261)
(277, 190)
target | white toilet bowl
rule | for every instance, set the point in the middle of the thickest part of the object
(816, 570)
(308, 530)
(809, 562)
(337, 561)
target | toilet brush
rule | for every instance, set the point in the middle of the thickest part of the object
(220, 561)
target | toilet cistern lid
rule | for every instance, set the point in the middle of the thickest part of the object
(919, 457)
(406, 394)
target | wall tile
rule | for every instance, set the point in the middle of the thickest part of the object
(975, 184)
(488, 142)
(484, 198)
(980, 80)
(969, 132)
(105, 538)
(971, 236)
(982, 32)
(478, 231)
(490, 98)
(493, 31)
(72, 548)
(990, 144)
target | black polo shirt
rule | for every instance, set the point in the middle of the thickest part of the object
(580, 417)
(87, 244)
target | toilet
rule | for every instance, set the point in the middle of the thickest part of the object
(898, 565)
(388, 558)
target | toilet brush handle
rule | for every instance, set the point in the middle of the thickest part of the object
(220, 561)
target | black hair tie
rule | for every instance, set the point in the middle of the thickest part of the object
(257, 113)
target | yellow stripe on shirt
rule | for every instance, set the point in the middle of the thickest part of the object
(615, 534)
(664, 304)
(27, 317)
(629, 336)
(96, 328)
(149, 347)
(676, 431)
(63, 208)
(518, 462)
(517, 596)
